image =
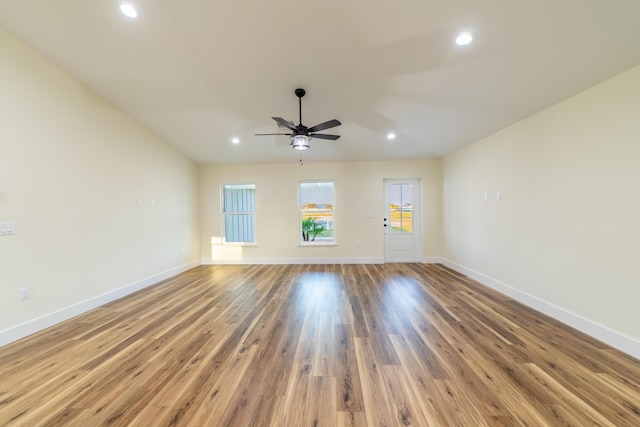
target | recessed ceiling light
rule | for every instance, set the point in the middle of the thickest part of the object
(391, 135)
(236, 140)
(464, 38)
(129, 10)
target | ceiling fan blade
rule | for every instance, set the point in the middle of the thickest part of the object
(323, 126)
(265, 134)
(324, 136)
(283, 122)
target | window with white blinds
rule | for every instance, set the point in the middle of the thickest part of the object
(239, 213)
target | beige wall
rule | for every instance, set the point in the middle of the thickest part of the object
(359, 190)
(566, 234)
(72, 168)
(563, 238)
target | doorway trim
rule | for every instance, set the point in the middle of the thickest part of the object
(403, 246)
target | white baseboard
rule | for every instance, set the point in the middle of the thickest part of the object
(362, 260)
(32, 326)
(593, 329)
(604, 334)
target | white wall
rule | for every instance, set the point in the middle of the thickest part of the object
(72, 168)
(566, 235)
(359, 190)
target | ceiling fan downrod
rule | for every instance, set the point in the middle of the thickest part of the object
(300, 93)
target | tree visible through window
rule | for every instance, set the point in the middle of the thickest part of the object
(239, 213)
(317, 212)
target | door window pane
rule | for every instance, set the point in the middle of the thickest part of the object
(401, 208)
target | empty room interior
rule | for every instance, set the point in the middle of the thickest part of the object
(319, 213)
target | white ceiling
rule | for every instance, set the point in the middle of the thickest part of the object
(199, 72)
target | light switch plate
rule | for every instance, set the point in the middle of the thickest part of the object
(7, 228)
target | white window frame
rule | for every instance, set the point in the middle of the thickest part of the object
(323, 242)
(224, 214)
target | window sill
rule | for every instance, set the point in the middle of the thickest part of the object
(307, 244)
(239, 244)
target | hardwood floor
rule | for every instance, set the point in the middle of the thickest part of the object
(316, 345)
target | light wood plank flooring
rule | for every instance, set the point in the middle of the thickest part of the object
(316, 345)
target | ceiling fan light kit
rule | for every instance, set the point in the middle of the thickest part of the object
(300, 134)
(300, 142)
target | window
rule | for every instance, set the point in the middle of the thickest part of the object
(317, 212)
(239, 213)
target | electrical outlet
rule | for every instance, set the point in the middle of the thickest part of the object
(25, 293)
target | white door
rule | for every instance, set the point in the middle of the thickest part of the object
(402, 220)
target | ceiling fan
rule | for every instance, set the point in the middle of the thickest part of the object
(300, 135)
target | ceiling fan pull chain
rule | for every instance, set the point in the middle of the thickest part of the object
(301, 159)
